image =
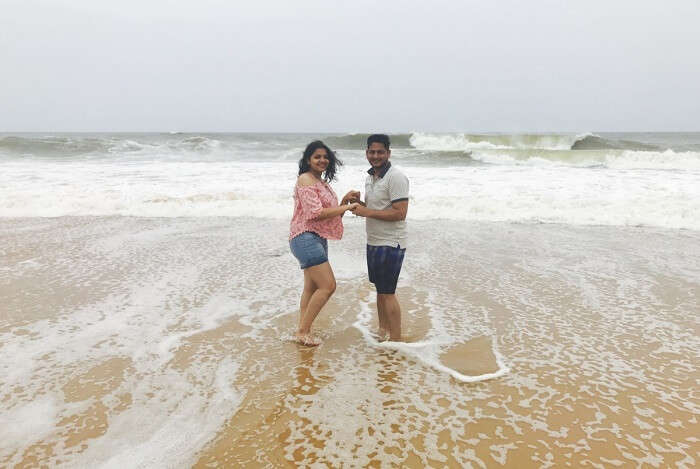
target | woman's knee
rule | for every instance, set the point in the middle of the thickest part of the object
(328, 286)
(323, 278)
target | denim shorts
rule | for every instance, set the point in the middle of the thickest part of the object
(309, 248)
(384, 265)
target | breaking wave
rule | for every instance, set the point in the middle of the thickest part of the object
(465, 142)
(594, 142)
(100, 146)
(359, 141)
(613, 159)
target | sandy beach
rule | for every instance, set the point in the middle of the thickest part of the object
(156, 342)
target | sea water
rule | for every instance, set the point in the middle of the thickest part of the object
(589, 179)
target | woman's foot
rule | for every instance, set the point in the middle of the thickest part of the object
(307, 339)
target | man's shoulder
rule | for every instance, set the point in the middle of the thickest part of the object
(396, 173)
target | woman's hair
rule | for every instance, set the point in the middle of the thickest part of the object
(333, 162)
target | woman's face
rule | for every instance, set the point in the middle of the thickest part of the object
(319, 160)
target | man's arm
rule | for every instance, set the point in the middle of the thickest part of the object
(398, 193)
(396, 212)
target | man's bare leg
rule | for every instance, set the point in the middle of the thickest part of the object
(388, 306)
(383, 331)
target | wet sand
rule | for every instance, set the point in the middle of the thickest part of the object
(140, 342)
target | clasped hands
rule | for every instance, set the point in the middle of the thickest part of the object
(352, 200)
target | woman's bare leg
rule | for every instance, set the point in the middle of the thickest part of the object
(323, 279)
(309, 289)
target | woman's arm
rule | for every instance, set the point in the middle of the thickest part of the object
(313, 204)
(331, 212)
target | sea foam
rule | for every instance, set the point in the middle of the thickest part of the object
(542, 193)
(512, 178)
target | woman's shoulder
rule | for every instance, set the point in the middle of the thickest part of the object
(306, 180)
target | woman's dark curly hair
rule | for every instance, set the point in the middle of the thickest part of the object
(333, 162)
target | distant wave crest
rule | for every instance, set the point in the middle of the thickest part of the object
(52, 145)
(359, 141)
(47, 146)
(466, 142)
(613, 159)
(594, 142)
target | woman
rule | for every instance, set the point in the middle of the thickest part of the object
(316, 219)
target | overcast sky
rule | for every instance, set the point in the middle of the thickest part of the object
(349, 66)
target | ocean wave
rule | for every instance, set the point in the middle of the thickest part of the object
(48, 146)
(125, 146)
(453, 148)
(52, 145)
(359, 141)
(595, 142)
(467, 142)
(613, 159)
(197, 144)
(585, 141)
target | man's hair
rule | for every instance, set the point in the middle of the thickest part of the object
(378, 138)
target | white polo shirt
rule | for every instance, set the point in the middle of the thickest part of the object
(391, 186)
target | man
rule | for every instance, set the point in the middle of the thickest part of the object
(385, 207)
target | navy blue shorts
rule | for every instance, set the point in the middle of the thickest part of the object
(309, 248)
(384, 266)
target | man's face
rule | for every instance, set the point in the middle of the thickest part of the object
(377, 154)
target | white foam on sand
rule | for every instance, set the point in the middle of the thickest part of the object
(170, 416)
(426, 351)
(346, 266)
(171, 431)
(29, 420)
(571, 306)
(158, 411)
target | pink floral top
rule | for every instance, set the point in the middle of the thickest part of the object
(308, 203)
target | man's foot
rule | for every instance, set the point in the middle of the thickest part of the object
(307, 339)
(380, 334)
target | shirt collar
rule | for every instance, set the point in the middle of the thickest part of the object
(382, 169)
